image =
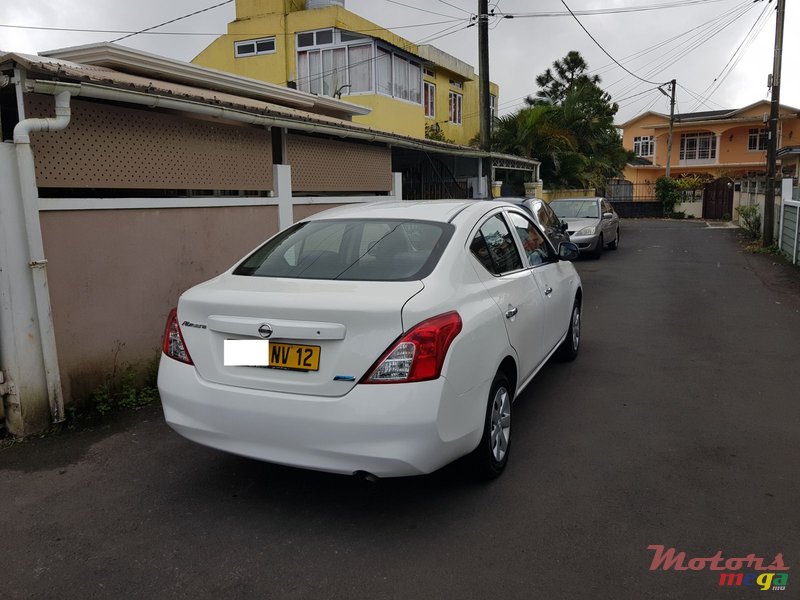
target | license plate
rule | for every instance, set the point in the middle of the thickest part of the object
(294, 356)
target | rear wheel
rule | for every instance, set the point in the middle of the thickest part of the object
(490, 457)
(615, 244)
(568, 351)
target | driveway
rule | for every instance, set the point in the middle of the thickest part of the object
(679, 425)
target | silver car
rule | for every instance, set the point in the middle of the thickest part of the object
(593, 223)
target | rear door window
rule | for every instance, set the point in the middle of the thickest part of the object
(495, 248)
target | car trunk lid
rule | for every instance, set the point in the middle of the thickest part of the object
(350, 323)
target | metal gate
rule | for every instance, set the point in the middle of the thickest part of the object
(718, 199)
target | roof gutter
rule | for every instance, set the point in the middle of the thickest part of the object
(99, 92)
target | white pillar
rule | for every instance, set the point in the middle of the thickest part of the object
(26, 404)
(282, 182)
(397, 186)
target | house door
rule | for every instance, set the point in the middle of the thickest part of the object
(718, 199)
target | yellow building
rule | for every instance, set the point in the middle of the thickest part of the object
(720, 143)
(320, 47)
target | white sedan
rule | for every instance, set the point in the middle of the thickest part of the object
(379, 340)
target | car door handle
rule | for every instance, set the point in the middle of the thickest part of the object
(511, 312)
(548, 290)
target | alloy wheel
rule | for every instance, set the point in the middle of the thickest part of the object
(576, 328)
(501, 423)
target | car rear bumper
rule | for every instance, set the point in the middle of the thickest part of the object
(389, 430)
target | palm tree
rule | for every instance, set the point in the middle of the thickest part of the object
(532, 132)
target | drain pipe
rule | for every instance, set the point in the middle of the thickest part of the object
(38, 263)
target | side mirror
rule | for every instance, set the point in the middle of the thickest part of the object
(564, 226)
(608, 216)
(568, 251)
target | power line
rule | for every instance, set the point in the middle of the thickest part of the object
(746, 3)
(735, 13)
(680, 53)
(425, 10)
(456, 7)
(738, 54)
(647, 91)
(611, 11)
(604, 50)
(700, 100)
(662, 43)
(197, 12)
(197, 33)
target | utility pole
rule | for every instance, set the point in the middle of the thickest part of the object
(671, 124)
(774, 113)
(483, 66)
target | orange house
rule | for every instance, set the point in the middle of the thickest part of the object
(720, 143)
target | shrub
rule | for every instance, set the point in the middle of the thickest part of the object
(751, 216)
(668, 193)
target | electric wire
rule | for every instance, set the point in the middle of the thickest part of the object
(218, 34)
(599, 45)
(456, 7)
(197, 12)
(610, 66)
(425, 10)
(683, 52)
(610, 11)
(706, 27)
(695, 41)
(738, 54)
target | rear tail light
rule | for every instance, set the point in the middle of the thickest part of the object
(174, 346)
(419, 354)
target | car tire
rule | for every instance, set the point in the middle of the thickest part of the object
(568, 351)
(615, 244)
(489, 459)
(599, 249)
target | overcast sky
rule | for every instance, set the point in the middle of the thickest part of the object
(521, 47)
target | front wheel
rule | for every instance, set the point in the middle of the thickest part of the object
(490, 457)
(615, 244)
(568, 351)
(599, 249)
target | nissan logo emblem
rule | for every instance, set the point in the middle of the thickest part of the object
(265, 331)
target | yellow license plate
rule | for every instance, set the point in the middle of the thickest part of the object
(294, 356)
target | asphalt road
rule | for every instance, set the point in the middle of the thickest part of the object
(678, 425)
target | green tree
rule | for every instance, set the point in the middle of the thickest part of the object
(566, 73)
(568, 126)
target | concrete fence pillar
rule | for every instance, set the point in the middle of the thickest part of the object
(397, 186)
(282, 178)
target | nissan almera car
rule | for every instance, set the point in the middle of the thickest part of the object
(382, 340)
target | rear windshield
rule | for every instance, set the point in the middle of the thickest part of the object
(355, 250)
(576, 209)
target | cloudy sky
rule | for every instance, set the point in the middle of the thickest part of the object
(694, 42)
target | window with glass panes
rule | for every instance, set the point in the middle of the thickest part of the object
(456, 103)
(698, 146)
(331, 61)
(757, 139)
(644, 145)
(429, 99)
